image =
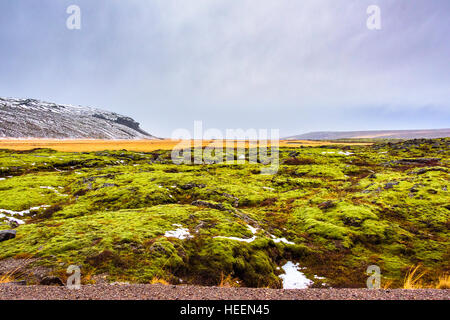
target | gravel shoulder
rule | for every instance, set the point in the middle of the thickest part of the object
(164, 292)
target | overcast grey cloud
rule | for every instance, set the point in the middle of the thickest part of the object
(294, 65)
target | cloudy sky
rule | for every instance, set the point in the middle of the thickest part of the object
(296, 65)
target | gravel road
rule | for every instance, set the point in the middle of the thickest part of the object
(162, 292)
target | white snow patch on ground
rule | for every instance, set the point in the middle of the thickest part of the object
(21, 213)
(4, 213)
(18, 221)
(54, 190)
(180, 233)
(48, 187)
(283, 240)
(253, 231)
(293, 278)
(345, 153)
(238, 239)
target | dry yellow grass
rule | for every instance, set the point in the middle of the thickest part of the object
(16, 273)
(131, 145)
(6, 278)
(157, 280)
(227, 282)
(388, 284)
(443, 282)
(413, 279)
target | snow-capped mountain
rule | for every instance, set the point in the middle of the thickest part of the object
(29, 118)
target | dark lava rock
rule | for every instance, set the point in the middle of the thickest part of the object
(7, 235)
(157, 247)
(192, 185)
(327, 205)
(109, 185)
(417, 161)
(217, 206)
(425, 170)
(299, 174)
(52, 281)
(13, 224)
(93, 178)
(351, 222)
(390, 185)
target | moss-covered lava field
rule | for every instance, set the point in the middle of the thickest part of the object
(137, 217)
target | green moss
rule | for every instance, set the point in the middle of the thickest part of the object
(110, 210)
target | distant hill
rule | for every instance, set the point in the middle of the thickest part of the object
(29, 118)
(381, 134)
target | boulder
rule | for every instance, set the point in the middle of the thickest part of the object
(7, 235)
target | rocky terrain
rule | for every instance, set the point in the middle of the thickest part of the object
(29, 118)
(381, 134)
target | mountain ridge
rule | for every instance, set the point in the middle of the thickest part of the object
(372, 134)
(32, 118)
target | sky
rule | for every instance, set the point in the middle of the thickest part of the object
(293, 65)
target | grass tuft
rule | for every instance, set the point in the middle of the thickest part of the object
(16, 274)
(228, 281)
(157, 280)
(443, 282)
(413, 278)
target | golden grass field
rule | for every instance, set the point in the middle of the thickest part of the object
(131, 145)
